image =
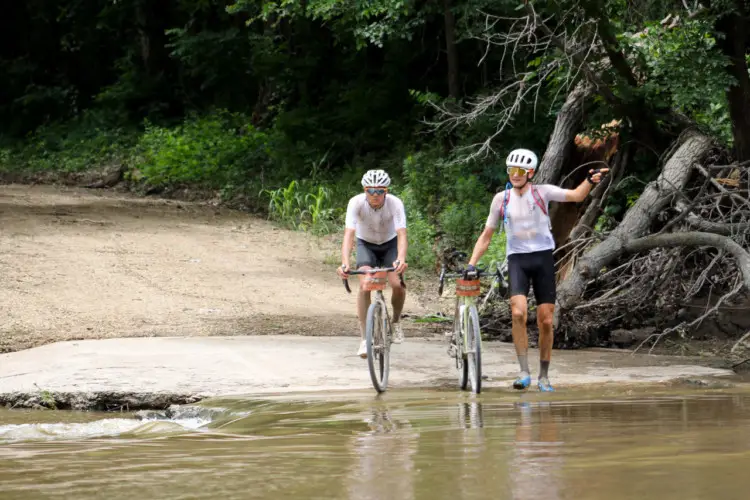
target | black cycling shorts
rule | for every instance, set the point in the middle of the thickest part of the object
(372, 255)
(537, 268)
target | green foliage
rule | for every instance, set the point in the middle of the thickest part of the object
(685, 71)
(304, 207)
(420, 231)
(463, 218)
(311, 94)
(71, 147)
(371, 21)
(495, 254)
(210, 150)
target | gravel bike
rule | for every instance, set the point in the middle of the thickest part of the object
(378, 328)
(466, 339)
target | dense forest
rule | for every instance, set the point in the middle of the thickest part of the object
(280, 106)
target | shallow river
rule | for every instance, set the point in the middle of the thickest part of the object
(621, 444)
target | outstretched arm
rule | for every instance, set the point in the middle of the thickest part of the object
(580, 193)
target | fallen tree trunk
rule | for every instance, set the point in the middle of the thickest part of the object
(638, 219)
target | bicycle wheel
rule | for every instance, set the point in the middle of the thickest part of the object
(474, 350)
(459, 328)
(378, 350)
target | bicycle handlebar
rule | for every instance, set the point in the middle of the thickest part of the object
(372, 271)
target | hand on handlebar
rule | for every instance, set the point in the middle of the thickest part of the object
(400, 266)
(470, 271)
(343, 271)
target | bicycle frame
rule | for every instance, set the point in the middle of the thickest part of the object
(463, 306)
(378, 320)
(467, 350)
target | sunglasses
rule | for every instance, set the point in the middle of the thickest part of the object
(517, 171)
(373, 191)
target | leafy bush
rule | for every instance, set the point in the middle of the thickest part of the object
(463, 219)
(75, 146)
(211, 150)
(421, 234)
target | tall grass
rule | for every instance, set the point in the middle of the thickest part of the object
(302, 206)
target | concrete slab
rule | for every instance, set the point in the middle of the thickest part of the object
(184, 369)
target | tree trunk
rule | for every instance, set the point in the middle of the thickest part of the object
(734, 46)
(451, 49)
(569, 121)
(637, 220)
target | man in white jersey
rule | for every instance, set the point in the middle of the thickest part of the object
(378, 221)
(524, 212)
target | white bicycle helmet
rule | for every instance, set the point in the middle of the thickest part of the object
(376, 178)
(522, 158)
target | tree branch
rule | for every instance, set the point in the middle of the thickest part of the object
(579, 60)
(720, 187)
(609, 42)
(695, 238)
(725, 229)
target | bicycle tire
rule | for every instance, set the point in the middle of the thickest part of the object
(461, 365)
(378, 348)
(474, 350)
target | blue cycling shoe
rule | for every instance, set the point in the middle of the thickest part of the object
(522, 382)
(544, 385)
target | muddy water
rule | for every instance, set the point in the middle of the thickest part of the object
(405, 445)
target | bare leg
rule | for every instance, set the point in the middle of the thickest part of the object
(398, 296)
(363, 303)
(519, 311)
(545, 316)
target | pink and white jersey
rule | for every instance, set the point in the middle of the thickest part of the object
(528, 228)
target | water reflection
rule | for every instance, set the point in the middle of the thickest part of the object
(383, 465)
(409, 446)
(536, 464)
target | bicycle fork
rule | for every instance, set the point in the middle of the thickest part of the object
(465, 310)
(459, 336)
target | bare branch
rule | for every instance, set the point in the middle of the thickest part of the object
(697, 321)
(739, 342)
(721, 188)
(695, 238)
(723, 228)
(577, 59)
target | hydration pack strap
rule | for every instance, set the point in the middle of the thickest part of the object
(534, 193)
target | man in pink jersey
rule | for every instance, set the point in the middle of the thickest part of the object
(524, 211)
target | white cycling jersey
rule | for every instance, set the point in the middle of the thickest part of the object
(528, 228)
(375, 226)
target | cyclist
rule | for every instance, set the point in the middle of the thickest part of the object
(378, 221)
(524, 211)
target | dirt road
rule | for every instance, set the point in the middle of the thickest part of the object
(87, 264)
